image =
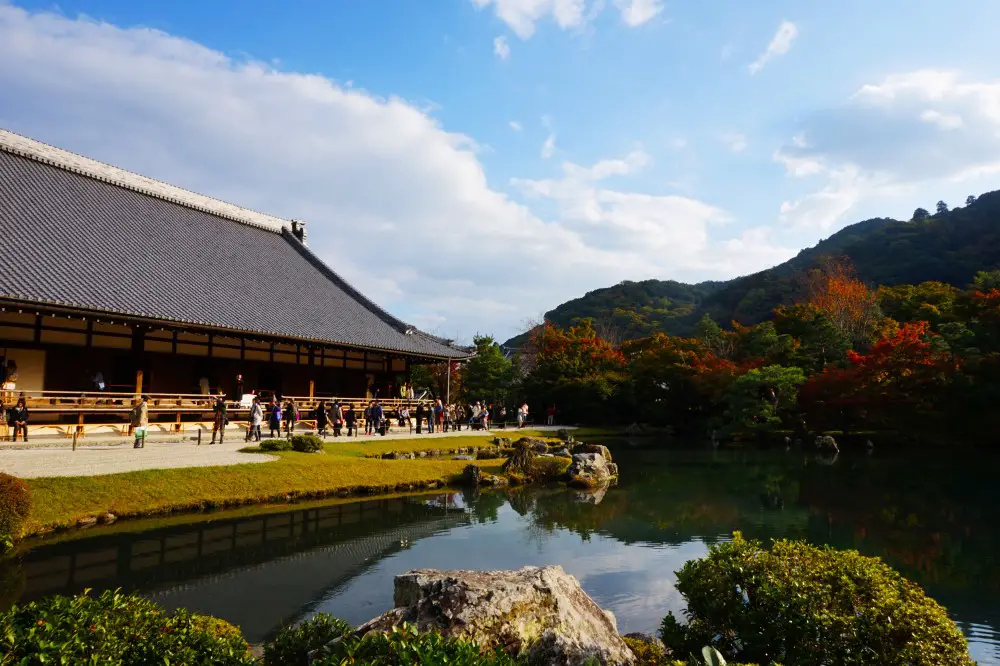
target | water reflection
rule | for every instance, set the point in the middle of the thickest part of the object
(936, 519)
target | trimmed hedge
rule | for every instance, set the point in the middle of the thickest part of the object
(15, 505)
(116, 629)
(292, 645)
(406, 647)
(799, 604)
(276, 445)
(307, 443)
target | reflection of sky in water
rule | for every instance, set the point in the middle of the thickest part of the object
(634, 582)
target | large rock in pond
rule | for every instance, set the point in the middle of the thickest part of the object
(827, 444)
(538, 613)
(593, 448)
(590, 470)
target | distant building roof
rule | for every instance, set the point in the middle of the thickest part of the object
(83, 234)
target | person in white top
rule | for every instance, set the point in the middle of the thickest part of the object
(522, 415)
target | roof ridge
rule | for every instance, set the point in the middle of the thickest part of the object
(23, 146)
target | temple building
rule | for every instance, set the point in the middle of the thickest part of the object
(113, 281)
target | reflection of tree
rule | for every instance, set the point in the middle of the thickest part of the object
(483, 506)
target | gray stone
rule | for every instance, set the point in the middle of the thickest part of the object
(541, 614)
(107, 518)
(593, 448)
(589, 470)
(503, 442)
(827, 444)
(87, 522)
(539, 445)
(563, 453)
(463, 457)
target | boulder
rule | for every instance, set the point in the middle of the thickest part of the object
(463, 457)
(540, 614)
(564, 435)
(827, 444)
(590, 470)
(495, 481)
(562, 453)
(538, 445)
(593, 448)
(502, 442)
(471, 476)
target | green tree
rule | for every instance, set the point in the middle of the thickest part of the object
(762, 399)
(942, 208)
(920, 214)
(969, 200)
(490, 374)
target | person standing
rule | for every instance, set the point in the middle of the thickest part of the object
(368, 418)
(550, 415)
(256, 419)
(337, 416)
(420, 413)
(19, 419)
(219, 421)
(291, 414)
(274, 418)
(522, 415)
(139, 418)
(322, 418)
(239, 387)
(350, 418)
(377, 414)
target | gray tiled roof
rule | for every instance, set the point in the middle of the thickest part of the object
(78, 237)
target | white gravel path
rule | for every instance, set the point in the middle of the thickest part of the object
(91, 461)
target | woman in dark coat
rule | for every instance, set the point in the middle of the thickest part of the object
(421, 412)
(18, 419)
(322, 418)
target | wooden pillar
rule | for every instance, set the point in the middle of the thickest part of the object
(312, 388)
(138, 384)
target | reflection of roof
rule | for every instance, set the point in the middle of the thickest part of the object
(258, 598)
(99, 238)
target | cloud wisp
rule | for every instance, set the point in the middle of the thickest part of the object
(780, 44)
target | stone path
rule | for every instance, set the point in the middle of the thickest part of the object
(55, 458)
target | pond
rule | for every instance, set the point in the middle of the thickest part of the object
(935, 517)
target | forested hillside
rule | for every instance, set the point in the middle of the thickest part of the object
(949, 246)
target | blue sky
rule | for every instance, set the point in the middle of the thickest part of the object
(473, 163)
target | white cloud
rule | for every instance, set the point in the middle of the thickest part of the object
(636, 12)
(780, 45)
(942, 120)
(549, 146)
(516, 126)
(912, 132)
(737, 143)
(501, 48)
(522, 15)
(349, 163)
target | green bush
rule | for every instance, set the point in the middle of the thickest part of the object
(405, 647)
(292, 645)
(276, 445)
(116, 629)
(307, 443)
(15, 505)
(799, 604)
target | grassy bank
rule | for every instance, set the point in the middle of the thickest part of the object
(61, 502)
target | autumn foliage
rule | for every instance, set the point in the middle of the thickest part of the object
(832, 361)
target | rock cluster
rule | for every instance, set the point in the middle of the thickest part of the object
(591, 470)
(538, 613)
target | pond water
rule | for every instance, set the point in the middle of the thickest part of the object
(935, 517)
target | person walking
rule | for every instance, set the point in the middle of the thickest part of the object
(139, 418)
(337, 416)
(256, 419)
(219, 422)
(322, 418)
(377, 414)
(368, 418)
(291, 414)
(522, 415)
(18, 419)
(550, 415)
(274, 418)
(350, 418)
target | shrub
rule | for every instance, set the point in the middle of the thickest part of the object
(15, 505)
(276, 445)
(520, 458)
(406, 647)
(292, 645)
(307, 443)
(799, 604)
(116, 629)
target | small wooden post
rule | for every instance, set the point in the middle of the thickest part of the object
(178, 428)
(199, 435)
(75, 433)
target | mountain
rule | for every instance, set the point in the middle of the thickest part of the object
(950, 246)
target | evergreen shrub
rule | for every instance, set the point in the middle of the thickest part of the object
(307, 443)
(15, 505)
